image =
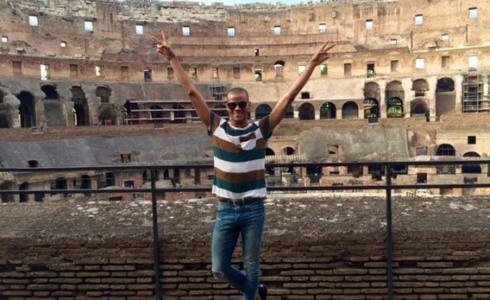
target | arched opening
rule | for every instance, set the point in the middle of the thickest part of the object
(314, 173)
(50, 92)
(7, 185)
(110, 179)
(445, 96)
(132, 114)
(178, 114)
(446, 150)
(372, 91)
(394, 95)
(59, 183)
(471, 168)
(85, 182)
(4, 120)
(33, 163)
(269, 152)
(371, 109)
(53, 112)
(288, 151)
(80, 106)
(307, 111)
(279, 68)
(394, 108)
(289, 113)
(23, 196)
(27, 109)
(108, 116)
(328, 111)
(350, 110)
(420, 86)
(156, 114)
(419, 109)
(262, 110)
(104, 93)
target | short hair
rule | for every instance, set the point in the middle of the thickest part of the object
(237, 90)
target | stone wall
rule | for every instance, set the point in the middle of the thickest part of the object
(314, 248)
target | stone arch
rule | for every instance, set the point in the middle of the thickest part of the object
(107, 116)
(53, 112)
(178, 114)
(7, 185)
(104, 93)
(279, 68)
(306, 111)
(445, 96)
(269, 151)
(394, 108)
(419, 108)
(371, 109)
(328, 111)
(372, 91)
(395, 96)
(4, 120)
(23, 196)
(288, 150)
(81, 113)
(420, 86)
(131, 111)
(471, 168)
(27, 109)
(262, 110)
(350, 110)
(445, 150)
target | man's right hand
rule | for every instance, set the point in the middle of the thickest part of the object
(162, 46)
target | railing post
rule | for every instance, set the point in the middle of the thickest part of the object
(156, 239)
(389, 237)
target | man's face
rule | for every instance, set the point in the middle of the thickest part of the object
(238, 107)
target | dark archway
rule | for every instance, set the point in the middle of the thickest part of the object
(23, 196)
(419, 109)
(262, 110)
(314, 173)
(80, 107)
(328, 111)
(27, 109)
(371, 109)
(132, 112)
(350, 110)
(289, 151)
(446, 150)
(307, 111)
(372, 91)
(445, 96)
(7, 185)
(394, 107)
(279, 68)
(104, 93)
(471, 168)
(4, 120)
(110, 179)
(53, 112)
(156, 114)
(420, 86)
(178, 114)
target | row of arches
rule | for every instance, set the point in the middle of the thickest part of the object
(54, 108)
(449, 150)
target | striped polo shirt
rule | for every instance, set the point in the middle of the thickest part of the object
(239, 158)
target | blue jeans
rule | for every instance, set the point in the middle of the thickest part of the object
(231, 221)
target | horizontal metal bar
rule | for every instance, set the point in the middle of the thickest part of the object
(270, 188)
(204, 165)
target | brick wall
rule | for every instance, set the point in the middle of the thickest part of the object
(313, 249)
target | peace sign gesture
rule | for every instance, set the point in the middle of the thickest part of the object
(162, 45)
(322, 54)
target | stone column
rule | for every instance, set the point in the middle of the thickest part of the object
(382, 99)
(431, 98)
(458, 89)
(408, 96)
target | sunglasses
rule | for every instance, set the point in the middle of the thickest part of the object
(233, 105)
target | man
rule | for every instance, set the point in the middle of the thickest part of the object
(239, 171)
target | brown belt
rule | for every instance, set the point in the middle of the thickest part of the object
(244, 201)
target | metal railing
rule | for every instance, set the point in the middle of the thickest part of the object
(387, 167)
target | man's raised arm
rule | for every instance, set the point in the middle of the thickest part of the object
(282, 105)
(163, 47)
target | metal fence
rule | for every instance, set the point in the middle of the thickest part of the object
(389, 169)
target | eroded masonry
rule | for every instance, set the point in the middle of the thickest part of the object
(81, 84)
